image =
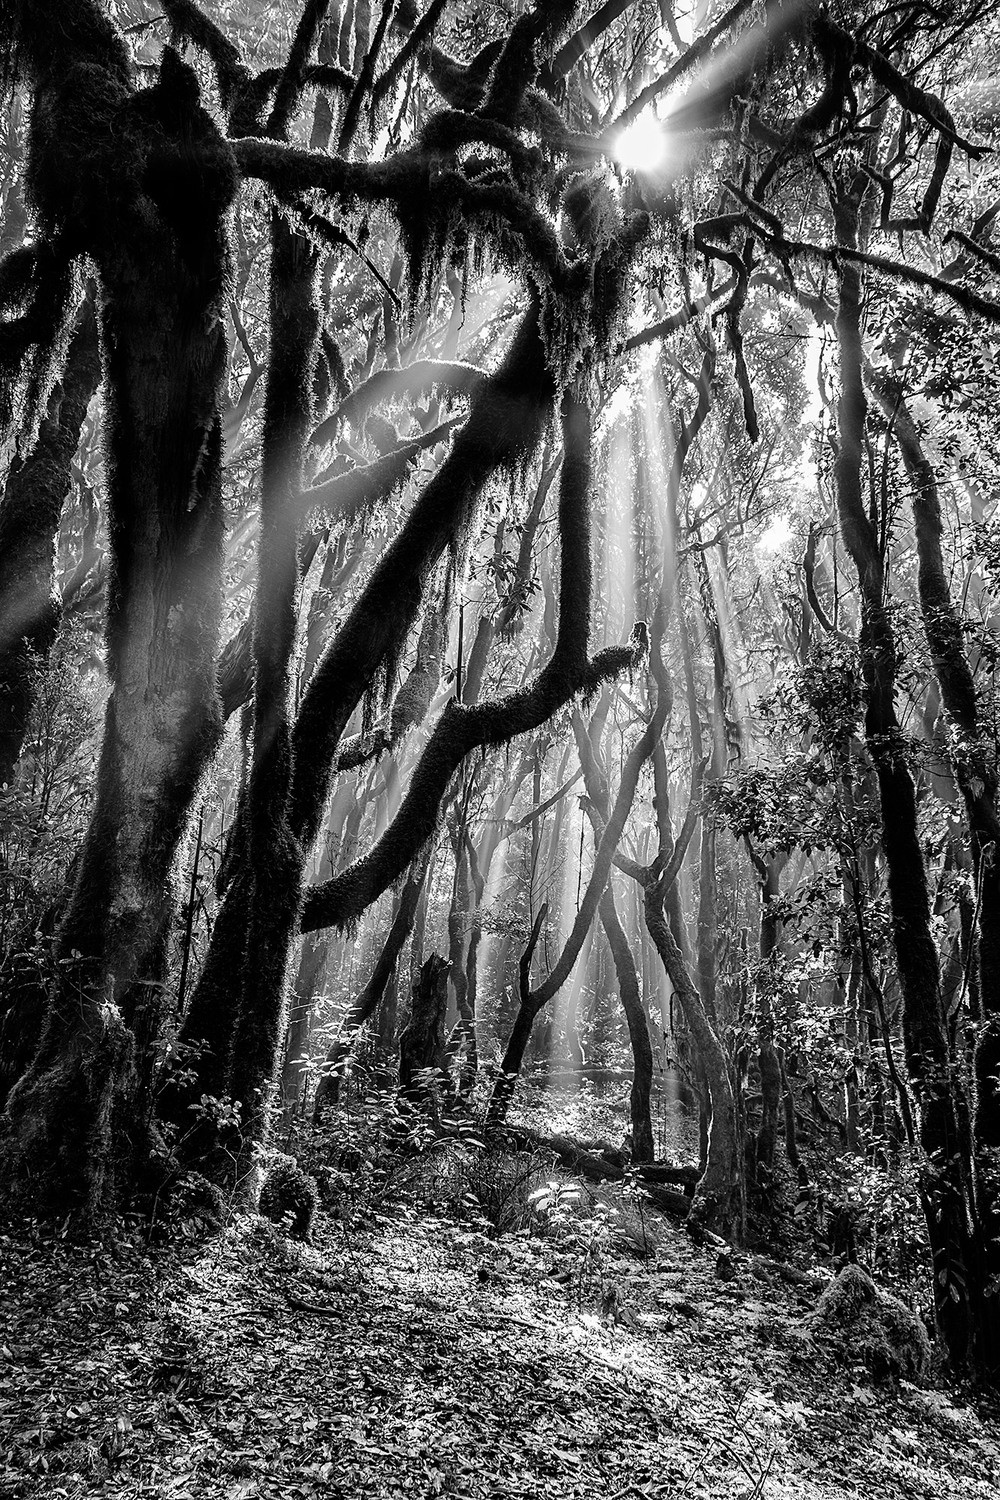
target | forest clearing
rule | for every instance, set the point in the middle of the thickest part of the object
(499, 788)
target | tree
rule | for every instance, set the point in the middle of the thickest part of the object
(626, 365)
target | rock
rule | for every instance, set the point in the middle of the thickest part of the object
(871, 1326)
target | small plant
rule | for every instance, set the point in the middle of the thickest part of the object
(582, 1229)
(554, 1202)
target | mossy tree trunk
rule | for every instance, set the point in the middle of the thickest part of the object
(505, 421)
(246, 973)
(239, 1009)
(109, 160)
(37, 486)
(976, 775)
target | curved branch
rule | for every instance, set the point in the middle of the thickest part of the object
(504, 427)
(681, 318)
(681, 65)
(190, 21)
(968, 300)
(346, 496)
(603, 858)
(463, 728)
(410, 180)
(809, 568)
(413, 380)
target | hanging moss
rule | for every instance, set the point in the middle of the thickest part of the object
(462, 84)
(43, 280)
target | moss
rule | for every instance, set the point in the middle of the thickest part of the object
(33, 346)
(290, 1196)
(69, 1144)
(193, 1202)
(29, 521)
(871, 1326)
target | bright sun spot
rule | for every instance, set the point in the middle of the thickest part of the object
(642, 147)
(777, 535)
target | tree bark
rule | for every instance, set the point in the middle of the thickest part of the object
(977, 780)
(295, 1070)
(716, 1199)
(422, 1041)
(30, 511)
(966, 1315)
(504, 422)
(368, 1001)
(640, 1119)
(74, 1130)
(768, 1060)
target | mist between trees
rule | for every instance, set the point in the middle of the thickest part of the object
(498, 575)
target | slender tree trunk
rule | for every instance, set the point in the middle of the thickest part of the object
(422, 1040)
(966, 1315)
(768, 1060)
(295, 1068)
(716, 1202)
(638, 1029)
(977, 780)
(595, 780)
(460, 924)
(371, 997)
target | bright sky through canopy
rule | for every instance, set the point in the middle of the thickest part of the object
(777, 535)
(642, 146)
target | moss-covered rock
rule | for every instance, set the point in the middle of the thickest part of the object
(871, 1326)
(289, 1196)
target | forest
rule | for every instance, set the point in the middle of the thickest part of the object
(499, 787)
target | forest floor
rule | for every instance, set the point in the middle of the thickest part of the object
(406, 1354)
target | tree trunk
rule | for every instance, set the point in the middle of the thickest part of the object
(295, 1068)
(967, 1316)
(29, 525)
(461, 949)
(422, 1040)
(370, 998)
(717, 1196)
(503, 423)
(767, 1054)
(595, 780)
(977, 780)
(638, 1029)
(75, 1124)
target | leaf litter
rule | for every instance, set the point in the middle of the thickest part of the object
(406, 1355)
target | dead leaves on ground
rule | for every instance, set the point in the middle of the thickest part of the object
(421, 1358)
